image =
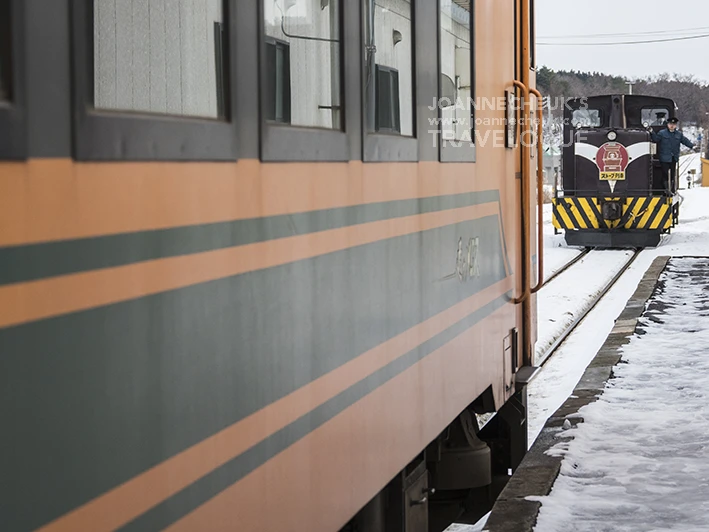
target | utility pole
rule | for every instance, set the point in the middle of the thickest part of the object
(630, 86)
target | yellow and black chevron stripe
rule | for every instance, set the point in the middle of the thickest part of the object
(648, 212)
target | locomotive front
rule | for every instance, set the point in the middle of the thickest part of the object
(613, 193)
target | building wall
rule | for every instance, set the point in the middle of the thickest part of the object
(156, 56)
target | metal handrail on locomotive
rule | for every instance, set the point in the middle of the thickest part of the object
(613, 192)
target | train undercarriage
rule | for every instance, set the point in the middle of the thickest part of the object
(459, 475)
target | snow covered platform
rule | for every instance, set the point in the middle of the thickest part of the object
(629, 449)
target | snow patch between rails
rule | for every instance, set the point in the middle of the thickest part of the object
(572, 293)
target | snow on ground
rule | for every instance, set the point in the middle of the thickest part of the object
(556, 253)
(548, 391)
(556, 381)
(477, 527)
(640, 459)
(688, 163)
(569, 295)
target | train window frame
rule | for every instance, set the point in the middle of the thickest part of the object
(601, 119)
(381, 146)
(282, 142)
(458, 151)
(13, 142)
(117, 135)
(658, 107)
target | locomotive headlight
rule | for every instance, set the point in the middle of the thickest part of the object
(612, 135)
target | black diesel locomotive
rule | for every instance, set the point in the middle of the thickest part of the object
(613, 193)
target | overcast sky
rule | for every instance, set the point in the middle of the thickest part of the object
(580, 18)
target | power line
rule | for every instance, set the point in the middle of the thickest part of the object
(621, 42)
(625, 34)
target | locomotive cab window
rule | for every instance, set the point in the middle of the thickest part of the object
(456, 90)
(152, 80)
(586, 118)
(389, 80)
(655, 116)
(12, 138)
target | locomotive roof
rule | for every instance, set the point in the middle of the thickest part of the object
(636, 99)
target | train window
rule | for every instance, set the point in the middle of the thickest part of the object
(152, 79)
(456, 87)
(303, 62)
(654, 116)
(158, 56)
(12, 118)
(305, 73)
(390, 51)
(5, 52)
(388, 117)
(278, 88)
(586, 118)
(389, 80)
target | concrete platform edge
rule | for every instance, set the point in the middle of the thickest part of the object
(538, 471)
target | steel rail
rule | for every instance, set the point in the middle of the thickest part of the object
(549, 353)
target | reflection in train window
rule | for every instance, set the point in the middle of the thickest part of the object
(159, 56)
(303, 68)
(586, 118)
(278, 94)
(456, 63)
(389, 62)
(655, 116)
(388, 112)
(5, 51)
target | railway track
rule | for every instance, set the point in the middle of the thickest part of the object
(684, 168)
(566, 266)
(483, 419)
(573, 326)
(553, 348)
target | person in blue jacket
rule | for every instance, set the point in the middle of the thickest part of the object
(668, 142)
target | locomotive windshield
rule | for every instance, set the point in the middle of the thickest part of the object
(586, 118)
(655, 116)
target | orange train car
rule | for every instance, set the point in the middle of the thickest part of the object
(264, 263)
